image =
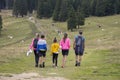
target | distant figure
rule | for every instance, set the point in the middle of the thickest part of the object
(55, 51)
(33, 47)
(53, 24)
(41, 50)
(65, 46)
(99, 26)
(59, 32)
(79, 46)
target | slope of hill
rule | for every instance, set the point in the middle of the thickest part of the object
(100, 62)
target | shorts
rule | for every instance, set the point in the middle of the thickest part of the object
(79, 51)
(65, 52)
(42, 53)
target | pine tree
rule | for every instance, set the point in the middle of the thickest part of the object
(109, 7)
(63, 16)
(0, 24)
(53, 3)
(36, 4)
(23, 7)
(44, 9)
(16, 6)
(47, 9)
(93, 7)
(80, 20)
(57, 10)
(7, 3)
(2, 4)
(100, 8)
(31, 5)
(40, 9)
(20, 8)
(71, 23)
(117, 6)
(76, 4)
(85, 4)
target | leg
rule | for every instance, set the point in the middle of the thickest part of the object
(40, 59)
(53, 59)
(56, 59)
(80, 58)
(77, 57)
(64, 60)
(36, 58)
(44, 57)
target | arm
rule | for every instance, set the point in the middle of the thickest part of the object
(61, 44)
(46, 45)
(31, 45)
(74, 44)
(84, 44)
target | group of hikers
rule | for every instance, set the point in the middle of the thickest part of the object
(39, 46)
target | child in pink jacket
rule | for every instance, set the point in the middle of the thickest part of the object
(65, 46)
(33, 47)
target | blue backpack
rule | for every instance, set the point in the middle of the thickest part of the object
(78, 41)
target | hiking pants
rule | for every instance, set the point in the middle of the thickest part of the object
(36, 57)
(55, 58)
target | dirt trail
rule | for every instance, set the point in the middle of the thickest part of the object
(29, 76)
(33, 31)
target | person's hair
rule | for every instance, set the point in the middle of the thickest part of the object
(80, 32)
(65, 36)
(37, 35)
(42, 36)
(55, 40)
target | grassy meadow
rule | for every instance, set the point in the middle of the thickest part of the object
(101, 60)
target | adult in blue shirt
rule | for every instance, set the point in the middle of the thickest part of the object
(79, 46)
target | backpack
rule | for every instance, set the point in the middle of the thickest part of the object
(78, 41)
(35, 43)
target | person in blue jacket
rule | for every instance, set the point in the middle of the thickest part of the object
(41, 49)
(79, 47)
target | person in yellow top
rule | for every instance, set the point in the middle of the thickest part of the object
(55, 50)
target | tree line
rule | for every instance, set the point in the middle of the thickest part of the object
(63, 10)
(0, 24)
(60, 8)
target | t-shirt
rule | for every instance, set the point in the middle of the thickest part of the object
(55, 48)
(79, 41)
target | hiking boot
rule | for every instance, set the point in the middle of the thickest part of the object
(53, 65)
(62, 66)
(36, 65)
(43, 64)
(56, 67)
(78, 64)
(40, 66)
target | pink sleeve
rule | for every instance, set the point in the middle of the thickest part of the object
(31, 45)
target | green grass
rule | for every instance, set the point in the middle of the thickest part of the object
(100, 62)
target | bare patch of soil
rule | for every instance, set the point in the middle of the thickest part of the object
(28, 76)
